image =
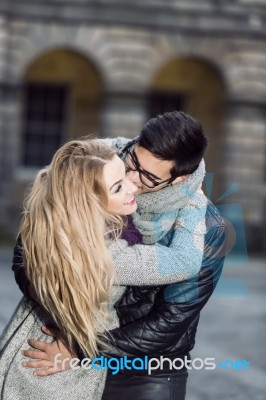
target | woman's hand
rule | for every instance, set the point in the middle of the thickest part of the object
(45, 353)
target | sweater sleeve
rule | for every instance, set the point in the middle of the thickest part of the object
(137, 265)
(158, 264)
(140, 265)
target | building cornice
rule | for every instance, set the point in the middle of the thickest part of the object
(211, 18)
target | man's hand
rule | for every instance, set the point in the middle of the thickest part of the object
(45, 353)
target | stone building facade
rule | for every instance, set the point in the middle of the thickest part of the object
(70, 68)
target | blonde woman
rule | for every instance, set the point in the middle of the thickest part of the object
(72, 213)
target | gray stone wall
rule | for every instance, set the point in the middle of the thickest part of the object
(129, 45)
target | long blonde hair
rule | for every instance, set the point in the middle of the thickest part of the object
(64, 232)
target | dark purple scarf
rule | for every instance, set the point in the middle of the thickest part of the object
(131, 233)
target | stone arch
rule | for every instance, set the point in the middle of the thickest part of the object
(84, 82)
(196, 86)
(37, 39)
(123, 56)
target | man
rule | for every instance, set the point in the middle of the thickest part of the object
(181, 231)
(163, 321)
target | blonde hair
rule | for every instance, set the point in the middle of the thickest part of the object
(64, 233)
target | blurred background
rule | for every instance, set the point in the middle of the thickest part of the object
(72, 68)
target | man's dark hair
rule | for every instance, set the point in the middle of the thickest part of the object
(175, 136)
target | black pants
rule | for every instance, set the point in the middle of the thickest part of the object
(146, 387)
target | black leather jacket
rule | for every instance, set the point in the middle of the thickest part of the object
(161, 320)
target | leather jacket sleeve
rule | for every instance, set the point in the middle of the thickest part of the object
(166, 329)
(19, 269)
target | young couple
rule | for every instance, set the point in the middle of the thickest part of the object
(111, 284)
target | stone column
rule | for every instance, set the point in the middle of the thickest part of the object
(245, 164)
(10, 99)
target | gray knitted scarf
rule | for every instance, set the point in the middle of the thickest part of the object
(181, 205)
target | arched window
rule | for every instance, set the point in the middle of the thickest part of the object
(44, 121)
(62, 99)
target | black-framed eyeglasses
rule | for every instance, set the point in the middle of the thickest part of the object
(146, 178)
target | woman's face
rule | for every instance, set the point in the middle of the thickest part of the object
(120, 190)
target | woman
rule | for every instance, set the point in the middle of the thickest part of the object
(70, 217)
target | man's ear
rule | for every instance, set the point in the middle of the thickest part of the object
(179, 179)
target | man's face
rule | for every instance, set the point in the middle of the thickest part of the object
(154, 168)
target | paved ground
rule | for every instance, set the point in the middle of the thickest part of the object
(232, 327)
